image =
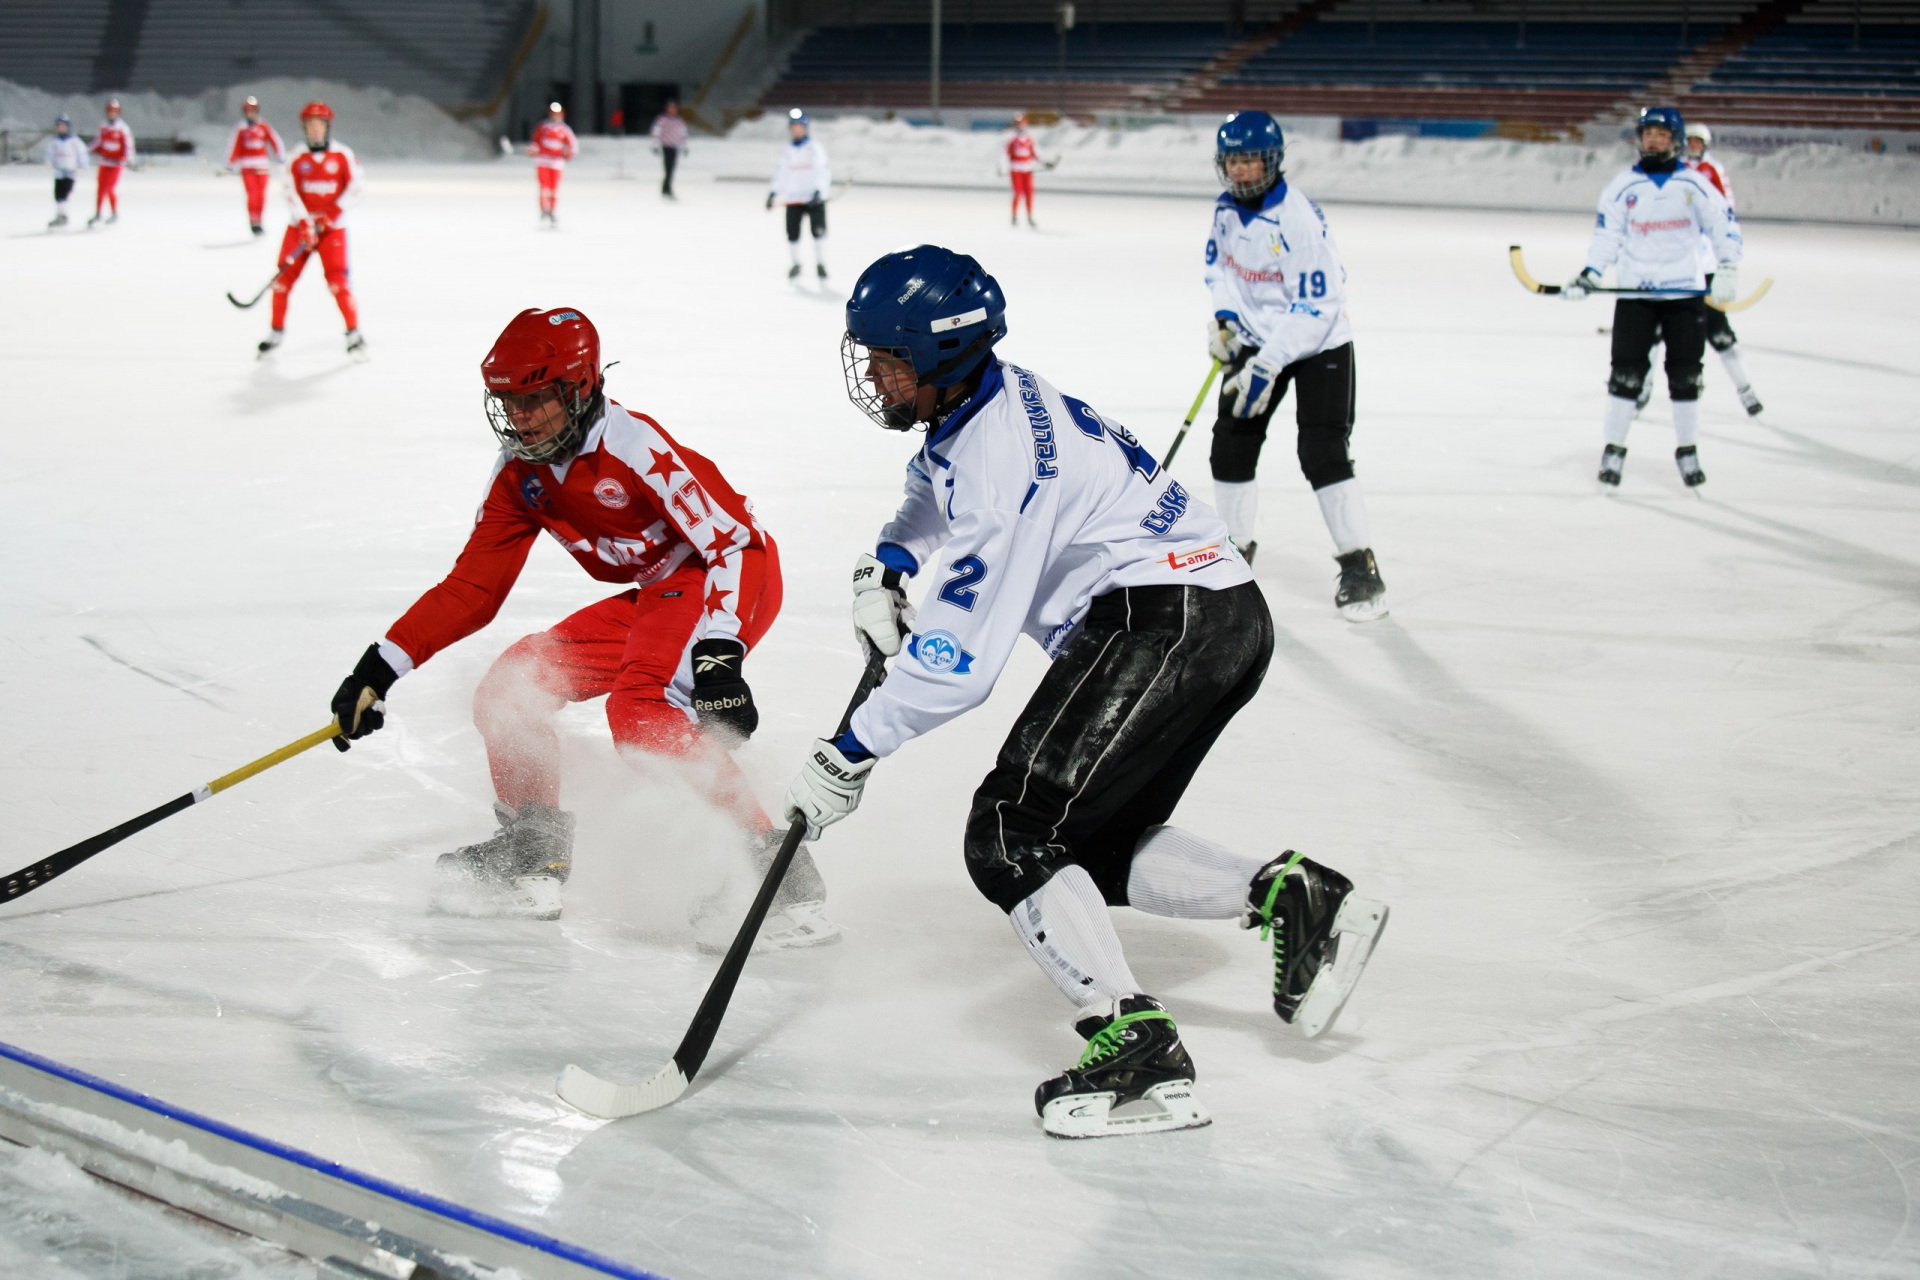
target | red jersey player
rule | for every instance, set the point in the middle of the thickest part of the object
(700, 586)
(114, 147)
(321, 182)
(256, 149)
(1023, 157)
(553, 145)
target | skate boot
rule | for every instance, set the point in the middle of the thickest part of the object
(793, 272)
(273, 339)
(1246, 552)
(356, 345)
(1613, 460)
(1322, 937)
(1361, 596)
(258, 229)
(94, 220)
(1687, 458)
(1750, 401)
(516, 873)
(796, 919)
(1133, 1056)
(820, 269)
(59, 220)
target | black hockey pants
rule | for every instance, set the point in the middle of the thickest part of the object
(1720, 334)
(62, 188)
(669, 156)
(1640, 322)
(1109, 741)
(814, 211)
(1323, 409)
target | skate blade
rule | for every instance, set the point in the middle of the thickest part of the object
(1356, 928)
(790, 928)
(1091, 1115)
(1365, 610)
(584, 1091)
(527, 898)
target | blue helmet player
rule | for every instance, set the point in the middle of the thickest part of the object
(802, 181)
(1280, 321)
(1030, 512)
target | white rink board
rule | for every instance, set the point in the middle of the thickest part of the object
(1635, 774)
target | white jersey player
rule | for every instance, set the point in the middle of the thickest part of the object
(1648, 228)
(1032, 513)
(1280, 320)
(67, 157)
(802, 181)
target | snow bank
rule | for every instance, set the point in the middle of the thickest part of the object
(1810, 181)
(376, 123)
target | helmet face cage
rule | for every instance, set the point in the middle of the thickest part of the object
(1662, 118)
(559, 446)
(896, 413)
(1270, 174)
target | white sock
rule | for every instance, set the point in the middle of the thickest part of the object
(1239, 505)
(1736, 368)
(1619, 418)
(793, 247)
(1070, 936)
(1686, 421)
(1345, 512)
(820, 250)
(1176, 873)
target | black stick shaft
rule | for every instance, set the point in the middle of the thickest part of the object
(298, 257)
(27, 879)
(713, 1007)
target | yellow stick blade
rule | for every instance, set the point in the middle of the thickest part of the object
(1741, 304)
(1520, 269)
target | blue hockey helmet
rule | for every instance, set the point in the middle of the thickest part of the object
(62, 120)
(799, 117)
(932, 310)
(1667, 118)
(1249, 133)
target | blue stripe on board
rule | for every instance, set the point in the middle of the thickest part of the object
(332, 1169)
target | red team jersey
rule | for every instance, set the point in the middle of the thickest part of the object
(1710, 170)
(113, 144)
(1022, 155)
(554, 145)
(323, 183)
(255, 146)
(631, 507)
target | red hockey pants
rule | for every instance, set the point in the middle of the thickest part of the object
(549, 187)
(333, 260)
(256, 180)
(1023, 187)
(106, 189)
(632, 648)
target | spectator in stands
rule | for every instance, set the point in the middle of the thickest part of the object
(66, 156)
(801, 181)
(670, 133)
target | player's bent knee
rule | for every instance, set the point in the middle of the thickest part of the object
(1003, 871)
(1236, 450)
(1625, 384)
(1722, 339)
(1323, 456)
(512, 692)
(644, 720)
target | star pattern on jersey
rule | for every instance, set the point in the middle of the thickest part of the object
(663, 466)
(721, 544)
(716, 600)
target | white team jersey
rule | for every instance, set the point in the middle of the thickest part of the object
(802, 173)
(1276, 271)
(1649, 228)
(1022, 507)
(67, 155)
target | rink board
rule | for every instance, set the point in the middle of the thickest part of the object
(313, 1206)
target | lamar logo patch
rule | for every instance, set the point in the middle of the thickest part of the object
(939, 652)
(611, 493)
(1191, 560)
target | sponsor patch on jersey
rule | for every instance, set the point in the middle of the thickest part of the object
(940, 653)
(671, 595)
(561, 317)
(611, 493)
(960, 321)
(1196, 559)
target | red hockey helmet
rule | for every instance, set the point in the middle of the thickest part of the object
(316, 111)
(250, 102)
(543, 357)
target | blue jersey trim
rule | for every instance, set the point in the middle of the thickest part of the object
(331, 1168)
(897, 558)
(990, 385)
(851, 747)
(1273, 198)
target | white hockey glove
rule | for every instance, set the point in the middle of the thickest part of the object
(1580, 286)
(1726, 283)
(880, 609)
(1251, 390)
(1224, 342)
(827, 789)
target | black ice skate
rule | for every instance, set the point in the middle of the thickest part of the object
(1361, 595)
(356, 345)
(59, 220)
(94, 220)
(793, 272)
(516, 873)
(1322, 937)
(1613, 460)
(1246, 552)
(798, 915)
(820, 269)
(273, 339)
(1134, 1059)
(1687, 458)
(1751, 401)
(258, 229)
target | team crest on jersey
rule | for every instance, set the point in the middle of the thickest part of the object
(611, 494)
(534, 494)
(1632, 200)
(940, 653)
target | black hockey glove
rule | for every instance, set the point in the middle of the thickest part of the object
(720, 696)
(360, 705)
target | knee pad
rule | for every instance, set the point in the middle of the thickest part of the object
(1236, 449)
(511, 693)
(646, 721)
(1323, 456)
(1685, 386)
(1721, 336)
(1004, 876)
(1625, 384)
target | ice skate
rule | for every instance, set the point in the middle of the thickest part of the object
(796, 919)
(273, 339)
(1750, 401)
(356, 345)
(1134, 1077)
(516, 873)
(1322, 937)
(1362, 595)
(1613, 460)
(59, 220)
(257, 229)
(1687, 458)
(820, 269)
(1031, 223)
(793, 272)
(1246, 552)
(93, 221)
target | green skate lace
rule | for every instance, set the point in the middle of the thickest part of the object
(1105, 1042)
(1266, 925)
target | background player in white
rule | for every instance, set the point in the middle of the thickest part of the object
(66, 156)
(1280, 320)
(1648, 229)
(801, 182)
(1034, 514)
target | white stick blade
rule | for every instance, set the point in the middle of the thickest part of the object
(587, 1092)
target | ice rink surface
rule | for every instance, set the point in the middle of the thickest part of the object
(1636, 772)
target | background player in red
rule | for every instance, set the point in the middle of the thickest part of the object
(701, 585)
(114, 146)
(256, 149)
(1023, 157)
(322, 182)
(1720, 334)
(553, 145)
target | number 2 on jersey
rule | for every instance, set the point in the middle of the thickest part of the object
(959, 589)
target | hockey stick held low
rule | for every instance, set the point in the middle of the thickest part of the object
(1192, 413)
(29, 878)
(1527, 281)
(301, 256)
(610, 1101)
